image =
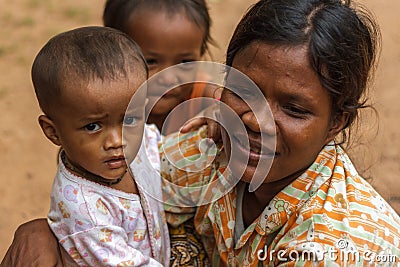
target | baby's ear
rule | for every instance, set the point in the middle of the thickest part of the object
(49, 129)
(337, 126)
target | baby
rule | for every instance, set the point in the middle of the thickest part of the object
(84, 80)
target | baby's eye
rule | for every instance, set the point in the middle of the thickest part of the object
(151, 61)
(187, 60)
(130, 121)
(92, 127)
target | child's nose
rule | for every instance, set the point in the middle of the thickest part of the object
(168, 77)
(113, 139)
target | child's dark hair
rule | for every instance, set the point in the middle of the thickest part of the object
(117, 14)
(342, 44)
(85, 53)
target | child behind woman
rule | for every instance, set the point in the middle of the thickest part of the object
(84, 80)
(169, 32)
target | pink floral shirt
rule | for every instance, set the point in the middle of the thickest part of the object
(102, 226)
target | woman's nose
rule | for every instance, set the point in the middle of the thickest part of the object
(264, 124)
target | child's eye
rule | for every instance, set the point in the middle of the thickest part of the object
(92, 127)
(189, 64)
(130, 121)
(187, 60)
(151, 61)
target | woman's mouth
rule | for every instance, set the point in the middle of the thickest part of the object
(254, 149)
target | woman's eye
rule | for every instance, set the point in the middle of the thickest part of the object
(130, 121)
(296, 111)
(92, 127)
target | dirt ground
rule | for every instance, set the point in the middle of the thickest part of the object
(28, 160)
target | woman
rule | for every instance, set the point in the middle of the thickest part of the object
(312, 60)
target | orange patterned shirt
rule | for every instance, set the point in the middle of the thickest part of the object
(328, 216)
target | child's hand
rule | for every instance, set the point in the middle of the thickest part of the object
(213, 131)
(193, 124)
(213, 91)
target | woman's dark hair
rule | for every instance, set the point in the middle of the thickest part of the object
(117, 14)
(342, 44)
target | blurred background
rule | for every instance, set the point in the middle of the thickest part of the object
(28, 159)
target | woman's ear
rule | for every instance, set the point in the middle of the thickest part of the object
(337, 125)
(49, 129)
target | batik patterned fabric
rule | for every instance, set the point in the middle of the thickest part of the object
(186, 246)
(101, 226)
(329, 216)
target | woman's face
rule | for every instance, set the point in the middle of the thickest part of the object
(300, 106)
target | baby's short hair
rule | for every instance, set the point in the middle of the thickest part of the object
(85, 54)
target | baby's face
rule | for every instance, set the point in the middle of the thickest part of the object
(90, 119)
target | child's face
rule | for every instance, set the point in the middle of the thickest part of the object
(89, 124)
(165, 41)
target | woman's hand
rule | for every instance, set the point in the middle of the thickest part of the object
(35, 245)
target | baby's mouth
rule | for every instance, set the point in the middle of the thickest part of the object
(116, 162)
